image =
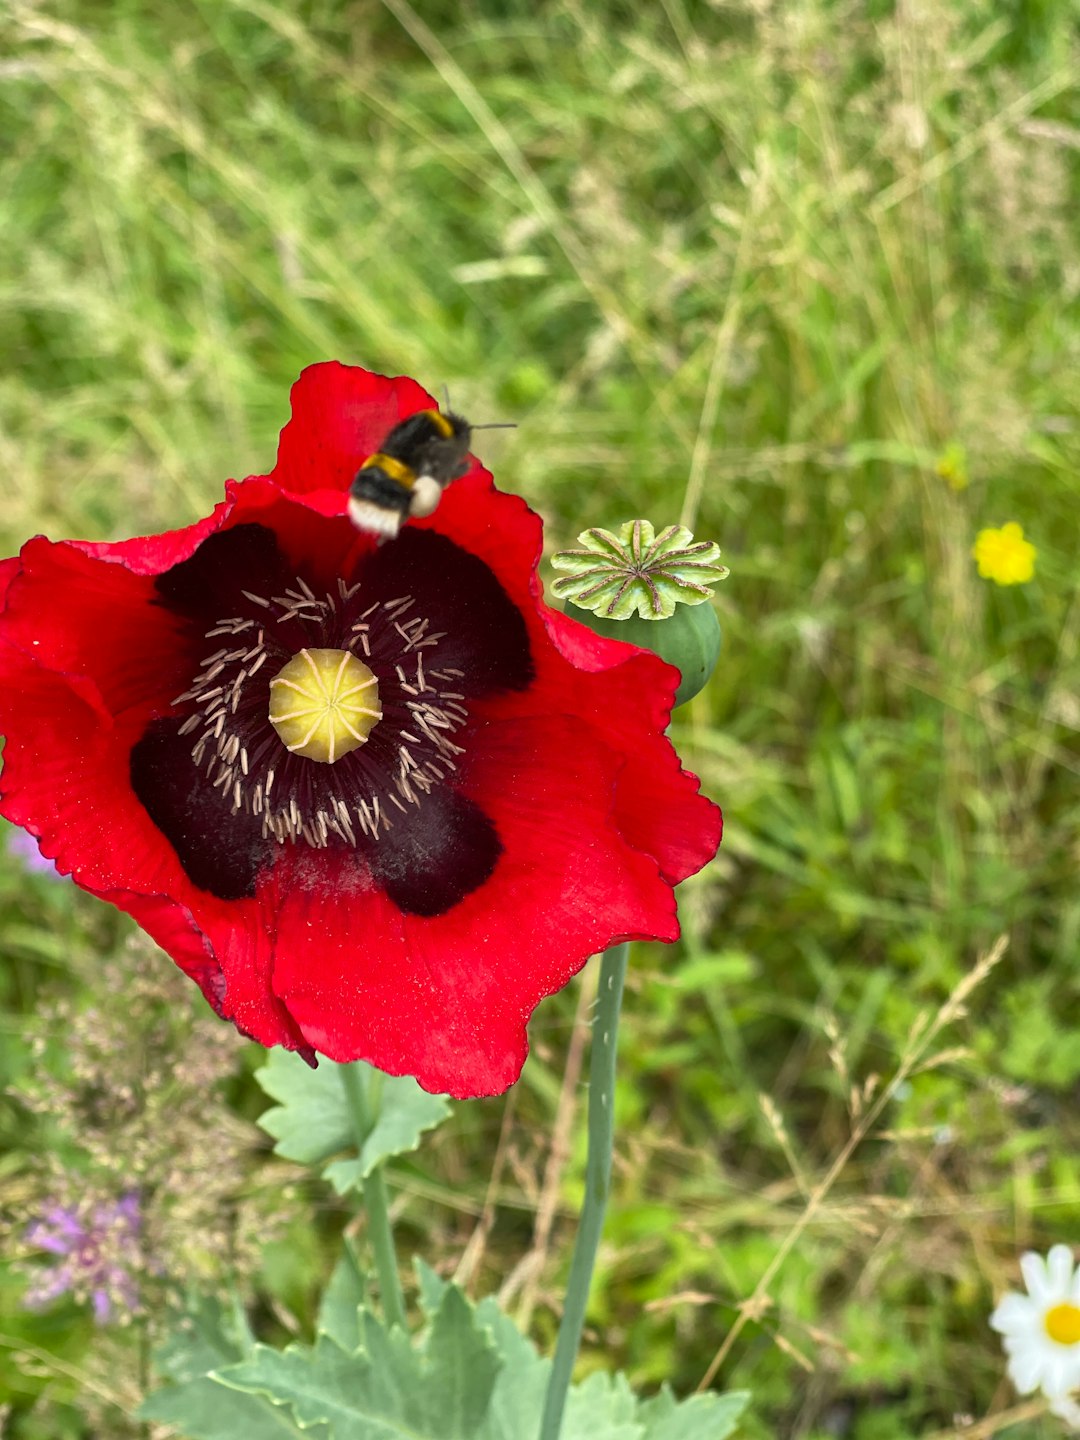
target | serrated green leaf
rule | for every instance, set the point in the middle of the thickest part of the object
(463, 1364)
(473, 1376)
(432, 1286)
(346, 1175)
(602, 1407)
(312, 1120)
(518, 1400)
(405, 1112)
(339, 1308)
(202, 1337)
(326, 1385)
(197, 1405)
(387, 1389)
(701, 1417)
(203, 1409)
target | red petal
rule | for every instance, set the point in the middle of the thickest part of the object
(97, 625)
(153, 554)
(659, 808)
(66, 777)
(341, 414)
(298, 522)
(8, 570)
(256, 500)
(447, 999)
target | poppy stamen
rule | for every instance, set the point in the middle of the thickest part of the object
(357, 691)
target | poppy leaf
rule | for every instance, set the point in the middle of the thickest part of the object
(471, 1376)
(339, 1308)
(701, 1417)
(195, 1404)
(440, 1390)
(311, 1122)
(601, 1408)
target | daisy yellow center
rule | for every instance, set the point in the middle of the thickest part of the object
(1063, 1323)
(324, 704)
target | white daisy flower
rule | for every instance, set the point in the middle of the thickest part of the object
(1042, 1328)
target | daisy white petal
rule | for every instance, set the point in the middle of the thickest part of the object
(1033, 1269)
(1059, 1269)
(1061, 1373)
(1015, 1313)
(1025, 1369)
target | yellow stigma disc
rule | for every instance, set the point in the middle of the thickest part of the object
(323, 704)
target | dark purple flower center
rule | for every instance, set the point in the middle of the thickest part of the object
(435, 629)
(409, 751)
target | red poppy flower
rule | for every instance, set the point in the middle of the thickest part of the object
(516, 808)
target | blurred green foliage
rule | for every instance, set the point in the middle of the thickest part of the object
(804, 276)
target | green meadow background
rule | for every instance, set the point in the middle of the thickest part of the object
(804, 274)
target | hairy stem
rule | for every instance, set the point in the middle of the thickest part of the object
(376, 1204)
(605, 1035)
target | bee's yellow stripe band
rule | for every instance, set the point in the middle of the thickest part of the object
(396, 469)
(441, 423)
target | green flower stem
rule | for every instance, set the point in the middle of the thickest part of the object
(605, 1036)
(375, 1201)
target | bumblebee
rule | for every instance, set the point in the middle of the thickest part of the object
(408, 473)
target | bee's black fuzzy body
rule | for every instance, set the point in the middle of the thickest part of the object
(408, 473)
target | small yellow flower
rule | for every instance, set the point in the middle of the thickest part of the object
(951, 465)
(1004, 556)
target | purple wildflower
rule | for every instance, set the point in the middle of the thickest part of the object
(98, 1247)
(24, 846)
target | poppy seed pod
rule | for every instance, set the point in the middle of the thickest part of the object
(650, 589)
(690, 639)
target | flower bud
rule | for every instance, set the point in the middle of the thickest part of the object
(649, 589)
